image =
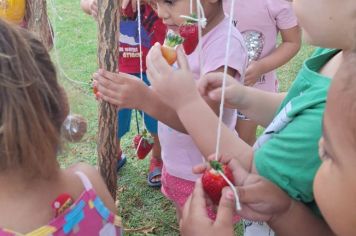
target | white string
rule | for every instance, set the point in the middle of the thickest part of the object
(200, 11)
(217, 152)
(202, 21)
(54, 10)
(141, 54)
(218, 138)
(237, 199)
(54, 40)
(191, 6)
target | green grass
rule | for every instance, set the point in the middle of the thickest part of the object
(141, 207)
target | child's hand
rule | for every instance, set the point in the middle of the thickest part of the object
(94, 8)
(260, 199)
(174, 87)
(210, 85)
(195, 220)
(122, 90)
(253, 73)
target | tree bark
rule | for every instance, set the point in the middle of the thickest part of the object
(37, 21)
(108, 20)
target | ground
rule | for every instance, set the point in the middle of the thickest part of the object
(143, 209)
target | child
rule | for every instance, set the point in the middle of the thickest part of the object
(333, 184)
(178, 150)
(152, 30)
(33, 107)
(287, 152)
(260, 21)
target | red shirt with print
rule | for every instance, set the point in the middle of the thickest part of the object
(152, 30)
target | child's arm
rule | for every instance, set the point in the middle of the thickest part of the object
(127, 91)
(291, 41)
(177, 89)
(245, 99)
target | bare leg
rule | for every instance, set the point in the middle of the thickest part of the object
(156, 153)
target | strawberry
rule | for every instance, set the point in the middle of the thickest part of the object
(169, 46)
(128, 13)
(143, 144)
(213, 182)
(189, 31)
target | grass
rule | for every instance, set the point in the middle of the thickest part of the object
(143, 209)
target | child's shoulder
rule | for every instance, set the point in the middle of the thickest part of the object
(218, 35)
(76, 183)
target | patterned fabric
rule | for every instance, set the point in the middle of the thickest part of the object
(87, 216)
(152, 30)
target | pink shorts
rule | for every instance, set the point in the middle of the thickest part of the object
(178, 190)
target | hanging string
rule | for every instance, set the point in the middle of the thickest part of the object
(141, 54)
(200, 12)
(221, 112)
(55, 50)
(191, 7)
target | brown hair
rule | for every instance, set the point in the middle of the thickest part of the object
(31, 104)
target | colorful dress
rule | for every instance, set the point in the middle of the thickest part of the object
(87, 216)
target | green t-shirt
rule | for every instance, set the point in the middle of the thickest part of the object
(289, 157)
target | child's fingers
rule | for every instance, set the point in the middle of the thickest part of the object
(198, 204)
(182, 59)
(134, 5)
(251, 194)
(152, 60)
(215, 94)
(226, 209)
(239, 173)
(199, 169)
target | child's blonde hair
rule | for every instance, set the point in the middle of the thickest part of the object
(32, 105)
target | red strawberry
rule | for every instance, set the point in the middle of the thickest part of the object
(143, 144)
(189, 31)
(213, 182)
(128, 13)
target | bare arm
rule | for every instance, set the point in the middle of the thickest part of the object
(246, 99)
(299, 220)
(291, 41)
(261, 112)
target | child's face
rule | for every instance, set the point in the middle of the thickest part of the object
(335, 182)
(170, 11)
(327, 23)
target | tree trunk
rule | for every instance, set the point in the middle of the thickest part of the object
(108, 20)
(37, 21)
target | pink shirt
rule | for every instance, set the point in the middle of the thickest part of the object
(179, 152)
(259, 21)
